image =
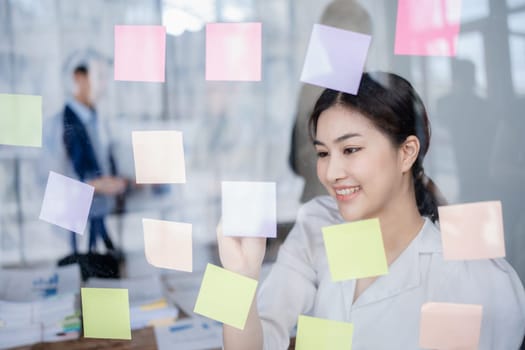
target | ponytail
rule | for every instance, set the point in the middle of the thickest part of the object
(428, 195)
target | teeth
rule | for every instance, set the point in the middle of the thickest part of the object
(347, 191)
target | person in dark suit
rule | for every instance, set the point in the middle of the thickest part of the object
(87, 147)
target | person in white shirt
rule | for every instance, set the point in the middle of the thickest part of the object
(370, 149)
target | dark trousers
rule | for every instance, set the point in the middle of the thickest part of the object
(97, 228)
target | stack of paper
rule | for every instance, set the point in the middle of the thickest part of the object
(39, 305)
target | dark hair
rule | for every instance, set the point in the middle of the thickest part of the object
(81, 69)
(396, 109)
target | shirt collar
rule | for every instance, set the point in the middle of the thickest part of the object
(85, 113)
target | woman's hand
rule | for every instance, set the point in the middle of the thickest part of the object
(243, 255)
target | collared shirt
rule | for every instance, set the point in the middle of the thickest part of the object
(387, 314)
(98, 134)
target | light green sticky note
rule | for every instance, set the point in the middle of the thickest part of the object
(316, 333)
(225, 296)
(105, 313)
(21, 120)
(355, 250)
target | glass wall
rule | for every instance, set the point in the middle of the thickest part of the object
(241, 131)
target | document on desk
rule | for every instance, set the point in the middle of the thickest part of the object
(195, 333)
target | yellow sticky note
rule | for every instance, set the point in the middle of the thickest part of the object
(316, 333)
(225, 296)
(105, 313)
(355, 250)
(21, 120)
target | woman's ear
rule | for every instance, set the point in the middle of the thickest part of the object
(408, 152)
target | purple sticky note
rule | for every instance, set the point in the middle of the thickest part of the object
(249, 209)
(140, 53)
(427, 27)
(335, 58)
(233, 51)
(66, 202)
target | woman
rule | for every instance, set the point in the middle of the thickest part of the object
(370, 159)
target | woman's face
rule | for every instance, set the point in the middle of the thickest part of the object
(357, 163)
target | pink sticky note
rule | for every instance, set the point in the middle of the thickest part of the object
(140, 53)
(249, 209)
(450, 326)
(233, 51)
(159, 157)
(335, 58)
(472, 231)
(66, 202)
(168, 244)
(427, 27)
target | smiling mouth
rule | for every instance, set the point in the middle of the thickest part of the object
(347, 193)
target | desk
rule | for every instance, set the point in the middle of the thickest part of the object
(142, 339)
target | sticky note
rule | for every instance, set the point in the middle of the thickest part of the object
(159, 157)
(450, 326)
(472, 231)
(66, 202)
(140, 53)
(168, 244)
(427, 27)
(225, 296)
(105, 313)
(21, 120)
(316, 333)
(249, 209)
(355, 250)
(335, 58)
(233, 51)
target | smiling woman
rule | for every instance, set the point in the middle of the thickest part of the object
(370, 150)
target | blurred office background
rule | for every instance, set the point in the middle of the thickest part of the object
(241, 131)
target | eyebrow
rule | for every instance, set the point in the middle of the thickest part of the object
(339, 139)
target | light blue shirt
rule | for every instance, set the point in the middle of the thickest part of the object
(387, 314)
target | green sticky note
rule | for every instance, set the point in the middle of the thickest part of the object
(316, 333)
(355, 250)
(21, 120)
(225, 296)
(105, 313)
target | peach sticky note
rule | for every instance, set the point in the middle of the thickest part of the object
(168, 244)
(66, 202)
(249, 209)
(140, 53)
(355, 250)
(472, 231)
(335, 58)
(233, 51)
(427, 27)
(225, 296)
(317, 333)
(105, 313)
(450, 326)
(21, 120)
(159, 157)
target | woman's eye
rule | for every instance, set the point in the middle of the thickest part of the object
(322, 154)
(351, 150)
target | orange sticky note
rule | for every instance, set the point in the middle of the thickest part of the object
(450, 326)
(168, 244)
(140, 53)
(159, 157)
(233, 51)
(472, 231)
(427, 27)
